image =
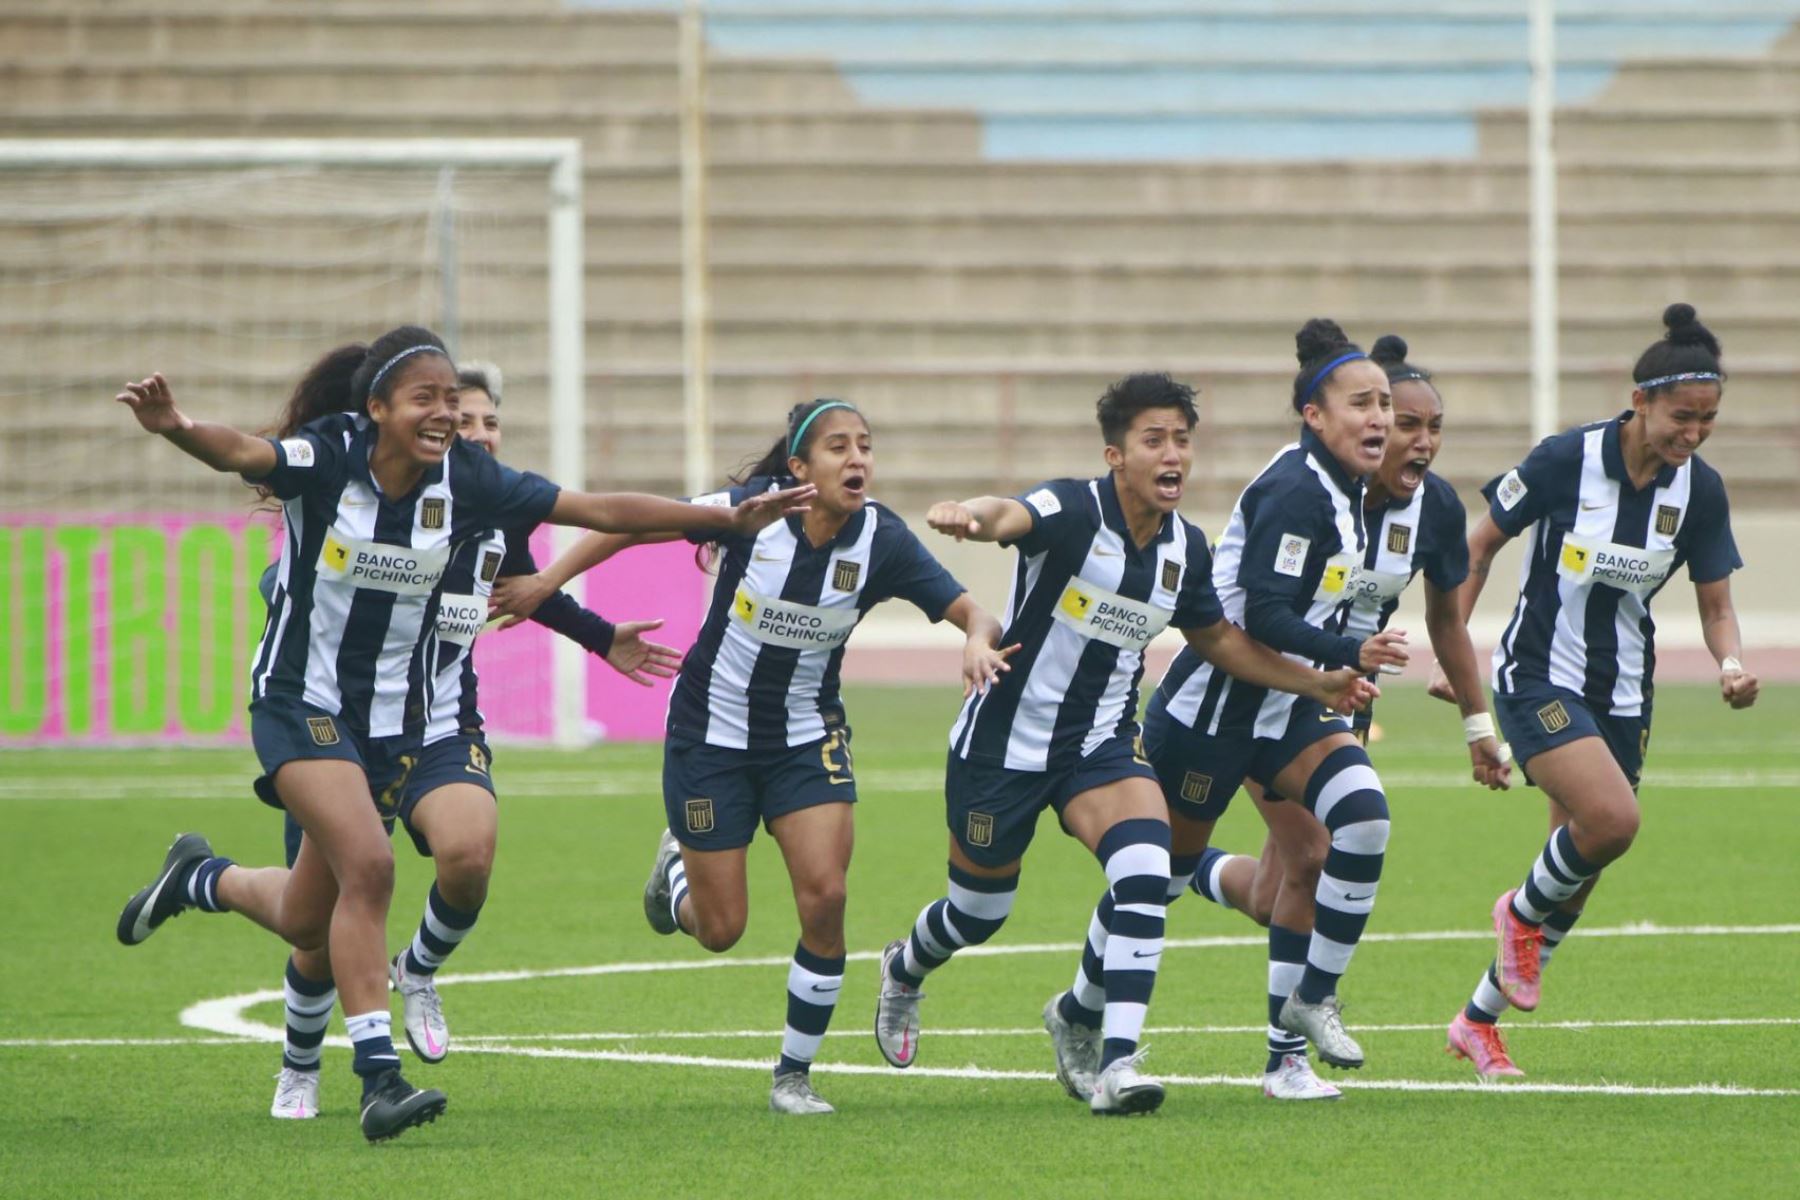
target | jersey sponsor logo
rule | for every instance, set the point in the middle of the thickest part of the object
(431, 512)
(461, 617)
(796, 626)
(398, 569)
(1341, 578)
(1627, 568)
(1195, 787)
(1290, 555)
(1512, 489)
(1373, 589)
(1399, 539)
(490, 565)
(323, 729)
(299, 452)
(1554, 717)
(980, 829)
(845, 573)
(699, 816)
(1108, 617)
(1045, 501)
(1171, 575)
(478, 760)
(1668, 519)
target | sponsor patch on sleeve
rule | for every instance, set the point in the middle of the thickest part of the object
(1045, 501)
(1511, 490)
(1290, 555)
(299, 452)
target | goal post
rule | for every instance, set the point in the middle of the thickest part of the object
(88, 292)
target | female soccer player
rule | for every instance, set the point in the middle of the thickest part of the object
(1104, 566)
(1611, 511)
(1415, 523)
(448, 806)
(757, 731)
(375, 503)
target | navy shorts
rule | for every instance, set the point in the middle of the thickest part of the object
(462, 758)
(285, 729)
(714, 796)
(1539, 717)
(992, 811)
(1201, 772)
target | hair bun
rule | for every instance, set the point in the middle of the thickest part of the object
(1389, 348)
(1683, 324)
(1317, 339)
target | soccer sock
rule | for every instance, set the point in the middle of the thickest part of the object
(371, 1035)
(678, 890)
(971, 914)
(309, 1004)
(1287, 963)
(1488, 1003)
(1085, 1002)
(199, 884)
(1182, 872)
(1135, 854)
(1208, 876)
(1345, 794)
(441, 931)
(1557, 875)
(812, 991)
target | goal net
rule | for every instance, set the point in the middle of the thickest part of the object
(128, 571)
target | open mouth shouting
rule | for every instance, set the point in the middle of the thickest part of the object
(434, 441)
(1412, 472)
(1373, 447)
(1168, 486)
(855, 485)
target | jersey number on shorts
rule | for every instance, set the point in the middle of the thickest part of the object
(838, 768)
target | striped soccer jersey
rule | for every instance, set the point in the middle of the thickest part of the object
(352, 625)
(1085, 603)
(764, 670)
(1296, 533)
(462, 613)
(1597, 550)
(1428, 533)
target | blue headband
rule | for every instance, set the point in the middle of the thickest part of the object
(794, 442)
(1327, 369)
(1684, 377)
(406, 353)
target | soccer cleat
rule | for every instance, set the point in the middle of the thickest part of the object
(296, 1095)
(1517, 962)
(1121, 1090)
(656, 891)
(1077, 1051)
(393, 1105)
(1322, 1024)
(896, 1014)
(1294, 1080)
(793, 1094)
(1482, 1045)
(423, 1013)
(162, 898)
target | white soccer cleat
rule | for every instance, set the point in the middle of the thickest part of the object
(793, 1094)
(1322, 1024)
(1122, 1090)
(1294, 1080)
(896, 1014)
(1077, 1051)
(656, 890)
(296, 1095)
(423, 1013)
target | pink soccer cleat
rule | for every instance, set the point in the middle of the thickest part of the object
(1482, 1045)
(1516, 962)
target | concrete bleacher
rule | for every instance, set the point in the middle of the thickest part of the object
(974, 304)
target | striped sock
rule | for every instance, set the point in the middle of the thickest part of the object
(441, 931)
(1208, 876)
(1084, 1003)
(200, 886)
(309, 1004)
(1183, 870)
(371, 1034)
(972, 913)
(1557, 875)
(1135, 854)
(812, 991)
(1345, 794)
(678, 890)
(1287, 963)
(1488, 1003)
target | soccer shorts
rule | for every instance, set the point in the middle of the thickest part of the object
(714, 796)
(1200, 772)
(992, 811)
(1538, 717)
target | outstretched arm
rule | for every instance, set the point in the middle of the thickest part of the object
(1719, 626)
(1239, 655)
(218, 446)
(519, 596)
(634, 512)
(983, 519)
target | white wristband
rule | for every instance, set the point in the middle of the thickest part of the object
(1477, 726)
(1731, 666)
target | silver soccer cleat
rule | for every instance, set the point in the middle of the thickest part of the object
(1122, 1090)
(1077, 1051)
(296, 1095)
(1322, 1025)
(1294, 1080)
(656, 891)
(792, 1093)
(422, 1013)
(896, 1014)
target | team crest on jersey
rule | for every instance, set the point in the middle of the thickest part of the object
(431, 512)
(490, 565)
(981, 829)
(1195, 787)
(845, 574)
(1668, 516)
(1399, 539)
(323, 729)
(1171, 575)
(1554, 717)
(699, 816)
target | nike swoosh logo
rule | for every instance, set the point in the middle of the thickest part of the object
(1356, 899)
(140, 928)
(825, 991)
(768, 557)
(1586, 507)
(1146, 953)
(1099, 553)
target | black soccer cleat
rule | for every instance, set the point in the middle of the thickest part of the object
(393, 1105)
(162, 899)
